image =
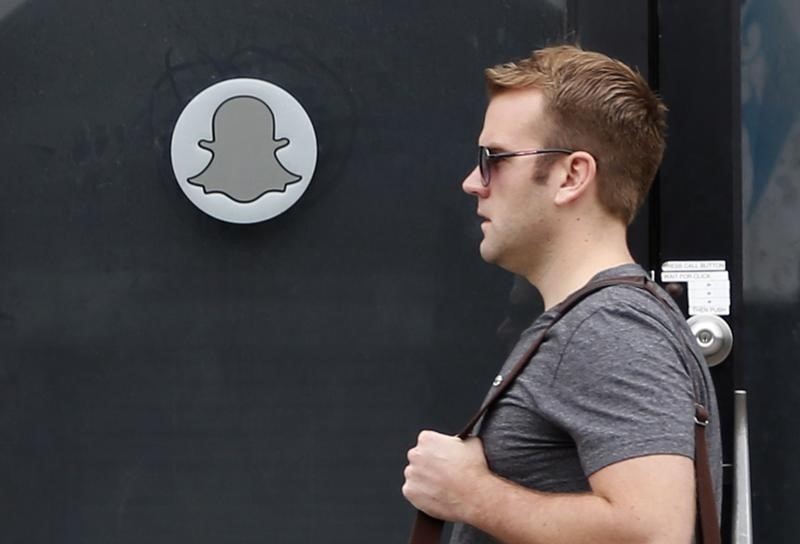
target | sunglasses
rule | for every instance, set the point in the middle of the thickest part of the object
(486, 157)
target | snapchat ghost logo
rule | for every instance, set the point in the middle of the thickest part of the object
(245, 164)
(244, 150)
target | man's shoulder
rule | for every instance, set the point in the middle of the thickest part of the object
(623, 307)
(614, 331)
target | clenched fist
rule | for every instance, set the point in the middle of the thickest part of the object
(444, 475)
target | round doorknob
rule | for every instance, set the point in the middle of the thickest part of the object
(713, 335)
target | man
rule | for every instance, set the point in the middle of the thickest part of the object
(594, 441)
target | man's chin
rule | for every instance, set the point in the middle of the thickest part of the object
(488, 254)
(494, 255)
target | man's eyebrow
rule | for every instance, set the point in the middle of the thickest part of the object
(495, 147)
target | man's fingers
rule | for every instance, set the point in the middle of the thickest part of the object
(427, 436)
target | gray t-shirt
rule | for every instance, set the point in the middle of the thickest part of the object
(609, 383)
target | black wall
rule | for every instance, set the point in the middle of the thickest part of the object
(166, 377)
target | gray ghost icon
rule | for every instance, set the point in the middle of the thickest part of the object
(244, 164)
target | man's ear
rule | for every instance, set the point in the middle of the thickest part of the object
(579, 176)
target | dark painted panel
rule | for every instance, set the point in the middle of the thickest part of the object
(169, 378)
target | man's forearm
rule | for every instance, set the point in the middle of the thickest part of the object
(642, 500)
(517, 515)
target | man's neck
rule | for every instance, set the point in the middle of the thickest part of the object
(581, 257)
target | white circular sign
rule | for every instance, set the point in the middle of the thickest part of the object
(244, 150)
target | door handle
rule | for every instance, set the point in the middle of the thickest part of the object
(713, 335)
(742, 513)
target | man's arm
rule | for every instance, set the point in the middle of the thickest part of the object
(647, 499)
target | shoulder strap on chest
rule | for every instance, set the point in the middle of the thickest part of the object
(560, 311)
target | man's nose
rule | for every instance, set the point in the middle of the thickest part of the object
(473, 184)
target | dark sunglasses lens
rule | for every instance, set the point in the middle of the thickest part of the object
(483, 165)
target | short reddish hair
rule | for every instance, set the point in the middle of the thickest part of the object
(600, 105)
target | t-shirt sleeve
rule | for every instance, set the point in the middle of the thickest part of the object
(620, 389)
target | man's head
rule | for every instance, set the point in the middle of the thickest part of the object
(570, 144)
(599, 105)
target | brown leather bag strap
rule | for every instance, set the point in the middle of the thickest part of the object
(708, 523)
(428, 530)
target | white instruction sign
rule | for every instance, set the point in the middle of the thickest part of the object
(694, 276)
(708, 284)
(692, 266)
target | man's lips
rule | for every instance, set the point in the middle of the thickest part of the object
(484, 224)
